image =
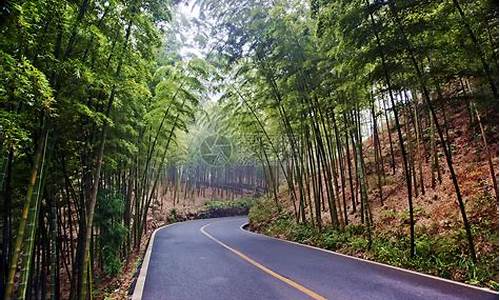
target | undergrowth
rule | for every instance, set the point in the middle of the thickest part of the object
(236, 203)
(214, 209)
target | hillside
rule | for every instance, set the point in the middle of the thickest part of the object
(441, 248)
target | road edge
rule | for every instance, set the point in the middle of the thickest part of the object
(141, 278)
(371, 262)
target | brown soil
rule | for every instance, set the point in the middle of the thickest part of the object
(437, 210)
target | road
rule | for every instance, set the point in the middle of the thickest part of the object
(216, 259)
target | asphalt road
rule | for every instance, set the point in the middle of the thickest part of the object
(216, 259)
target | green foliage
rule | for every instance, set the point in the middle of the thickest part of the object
(172, 216)
(21, 85)
(226, 208)
(262, 212)
(108, 218)
(332, 240)
(236, 203)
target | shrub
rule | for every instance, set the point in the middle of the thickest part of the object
(237, 203)
(172, 216)
(226, 208)
(262, 212)
(333, 239)
(108, 215)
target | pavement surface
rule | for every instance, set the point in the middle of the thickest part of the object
(216, 259)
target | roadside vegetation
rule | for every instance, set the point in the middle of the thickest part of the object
(437, 254)
(215, 209)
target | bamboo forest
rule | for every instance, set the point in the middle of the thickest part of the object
(368, 128)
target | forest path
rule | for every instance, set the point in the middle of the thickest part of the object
(217, 259)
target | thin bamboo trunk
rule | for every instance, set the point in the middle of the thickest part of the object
(487, 150)
(28, 203)
(446, 149)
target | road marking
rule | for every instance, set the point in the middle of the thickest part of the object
(290, 282)
(370, 262)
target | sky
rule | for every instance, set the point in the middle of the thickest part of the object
(187, 13)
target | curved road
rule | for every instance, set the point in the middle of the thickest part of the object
(216, 259)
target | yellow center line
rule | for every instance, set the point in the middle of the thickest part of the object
(290, 282)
